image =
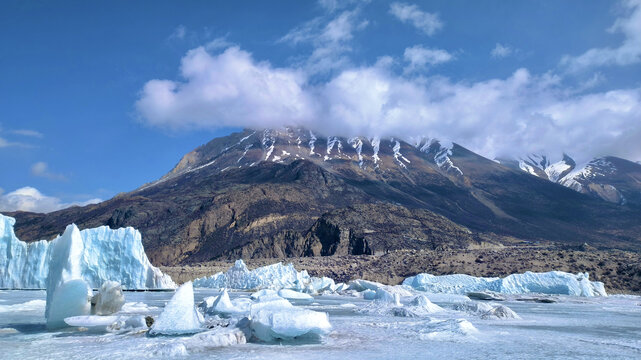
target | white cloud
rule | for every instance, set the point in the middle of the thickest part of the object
(229, 87)
(426, 22)
(29, 133)
(628, 53)
(6, 143)
(519, 114)
(501, 51)
(418, 57)
(330, 38)
(179, 33)
(41, 169)
(218, 43)
(30, 199)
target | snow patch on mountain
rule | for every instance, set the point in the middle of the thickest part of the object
(442, 158)
(376, 145)
(397, 154)
(312, 142)
(357, 144)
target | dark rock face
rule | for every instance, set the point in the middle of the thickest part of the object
(287, 193)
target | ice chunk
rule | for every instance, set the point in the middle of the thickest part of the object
(276, 276)
(103, 254)
(383, 295)
(294, 295)
(270, 302)
(369, 294)
(500, 312)
(485, 295)
(422, 305)
(215, 338)
(286, 324)
(364, 285)
(220, 305)
(265, 292)
(67, 293)
(93, 322)
(553, 282)
(108, 323)
(180, 315)
(108, 300)
(449, 329)
(71, 298)
(473, 307)
(486, 310)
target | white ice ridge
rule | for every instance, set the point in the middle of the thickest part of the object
(553, 282)
(100, 254)
(276, 276)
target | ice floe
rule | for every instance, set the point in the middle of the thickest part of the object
(553, 282)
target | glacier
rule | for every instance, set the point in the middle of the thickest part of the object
(552, 283)
(276, 276)
(102, 254)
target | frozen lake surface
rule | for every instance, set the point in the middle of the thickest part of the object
(572, 328)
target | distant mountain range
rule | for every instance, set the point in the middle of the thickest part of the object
(291, 192)
(610, 178)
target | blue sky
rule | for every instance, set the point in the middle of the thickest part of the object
(100, 97)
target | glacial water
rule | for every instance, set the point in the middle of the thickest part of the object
(572, 328)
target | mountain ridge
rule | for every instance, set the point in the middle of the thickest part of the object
(290, 192)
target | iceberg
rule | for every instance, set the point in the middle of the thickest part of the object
(180, 315)
(102, 254)
(275, 277)
(552, 283)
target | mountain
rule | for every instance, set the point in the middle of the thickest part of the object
(609, 178)
(290, 192)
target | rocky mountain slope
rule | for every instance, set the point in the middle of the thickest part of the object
(290, 192)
